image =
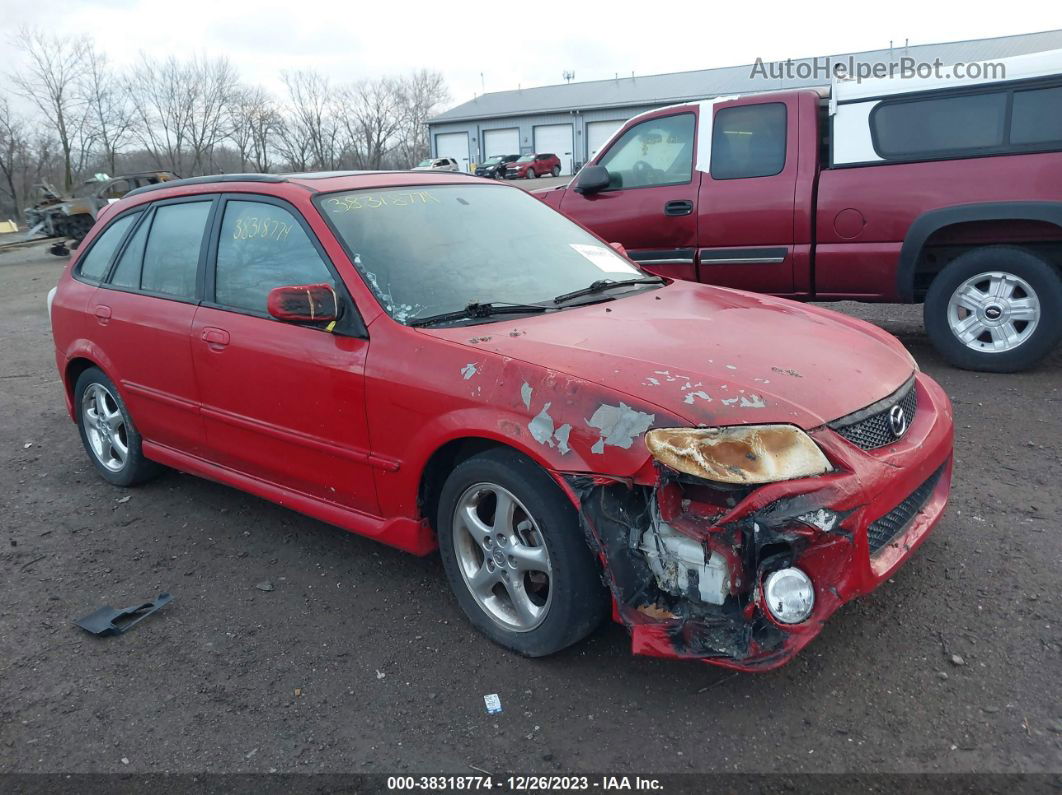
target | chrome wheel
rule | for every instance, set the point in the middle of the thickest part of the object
(993, 312)
(502, 557)
(105, 427)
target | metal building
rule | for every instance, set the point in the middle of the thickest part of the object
(574, 119)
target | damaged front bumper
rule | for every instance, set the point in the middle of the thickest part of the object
(686, 559)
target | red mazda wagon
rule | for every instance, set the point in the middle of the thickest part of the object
(437, 361)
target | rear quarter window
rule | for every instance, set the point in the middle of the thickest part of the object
(96, 262)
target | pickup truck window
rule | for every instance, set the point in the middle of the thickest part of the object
(1037, 116)
(655, 152)
(748, 141)
(943, 125)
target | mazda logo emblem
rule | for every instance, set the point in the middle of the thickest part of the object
(898, 421)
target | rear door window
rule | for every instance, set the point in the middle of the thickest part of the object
(171, 256)
(262, 246)
(97, 261)
(749, 141)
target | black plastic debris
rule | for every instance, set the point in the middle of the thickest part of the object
(108, 621)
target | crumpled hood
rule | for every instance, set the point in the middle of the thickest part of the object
(711, 355)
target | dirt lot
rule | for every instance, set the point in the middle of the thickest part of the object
(359, 661)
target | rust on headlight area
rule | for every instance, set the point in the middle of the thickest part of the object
(738, 454)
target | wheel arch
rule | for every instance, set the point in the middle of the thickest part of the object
(451, 453)
(934, 221)
(75, 365)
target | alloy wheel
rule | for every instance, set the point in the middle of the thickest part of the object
(993, 312)
(502, 556)
(105, 427)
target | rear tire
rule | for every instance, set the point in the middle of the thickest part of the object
(108, 433)
(524, 577)
(996, 309)
(556, 171)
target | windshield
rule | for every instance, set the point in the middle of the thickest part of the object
(423, 163)
(490, 161)
(526, 159)
(428, 250)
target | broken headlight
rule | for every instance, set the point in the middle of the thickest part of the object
(746, 454)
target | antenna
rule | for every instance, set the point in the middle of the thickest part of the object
(568, 76)
(482, 83)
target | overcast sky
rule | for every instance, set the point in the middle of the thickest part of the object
(510, 43)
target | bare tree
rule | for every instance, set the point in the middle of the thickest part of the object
(253, 123)
(372, 117)
(162, 99)
(213, 81)
(309, 137)
(422, 93)
(49, 80)
(110, 116)
(12, 152)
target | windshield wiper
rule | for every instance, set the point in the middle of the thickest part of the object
(601, 285)
(476, 311)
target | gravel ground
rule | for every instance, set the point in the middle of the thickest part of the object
(358, 660)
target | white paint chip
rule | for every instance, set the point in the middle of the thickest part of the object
(541, 427)
(525, 394)
(561, 435)
(619, 426)
(691, 396)
(468, 370)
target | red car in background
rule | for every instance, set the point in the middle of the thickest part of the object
(531, 166)
(436, 361)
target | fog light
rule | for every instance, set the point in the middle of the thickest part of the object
(789, 595)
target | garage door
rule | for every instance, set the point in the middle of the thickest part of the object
(501, 142)
(453, 145)
(597, 132)
(556, 138)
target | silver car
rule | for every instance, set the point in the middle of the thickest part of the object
(437, 164)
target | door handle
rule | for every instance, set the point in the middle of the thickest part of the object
(103, 314)
(215, 338)
(682, 207)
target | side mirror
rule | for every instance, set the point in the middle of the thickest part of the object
(619, 247)
(305, 303)
(592, 179)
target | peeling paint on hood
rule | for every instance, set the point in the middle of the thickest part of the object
(659, 346)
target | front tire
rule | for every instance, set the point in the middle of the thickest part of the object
(515, 555)
(107, 431)
(996, 309)
(530, 174)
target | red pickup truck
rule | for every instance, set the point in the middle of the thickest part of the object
(949, 196)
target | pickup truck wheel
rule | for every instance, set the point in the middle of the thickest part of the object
(516, 557)
(108, 433)
(996, 309)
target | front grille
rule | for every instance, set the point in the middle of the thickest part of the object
(896, 521)
(871, 428)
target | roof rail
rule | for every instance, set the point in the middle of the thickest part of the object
(208, 180)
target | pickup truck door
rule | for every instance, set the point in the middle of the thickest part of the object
(745, 214)
(650, 205)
